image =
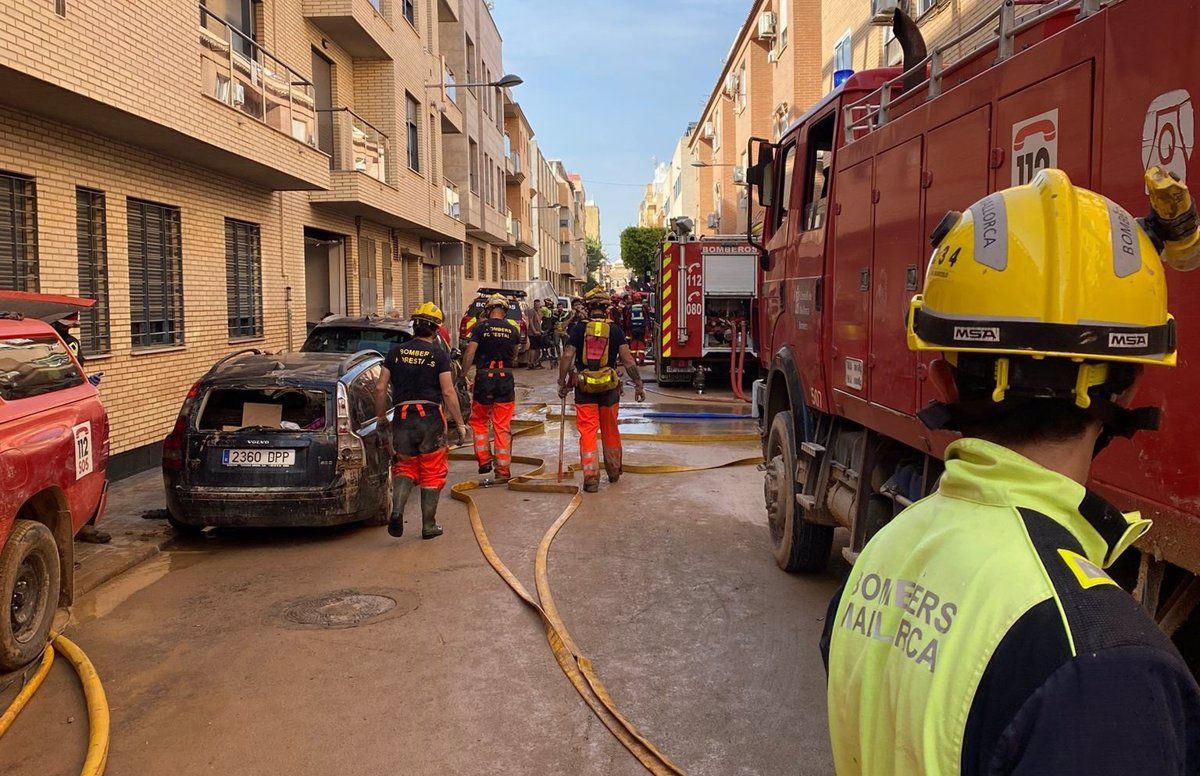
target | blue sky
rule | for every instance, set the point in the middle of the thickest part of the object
(610, 85)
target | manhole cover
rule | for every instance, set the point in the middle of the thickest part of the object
(339, 610)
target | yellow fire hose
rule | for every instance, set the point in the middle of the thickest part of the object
(577, 667)
(93, 692)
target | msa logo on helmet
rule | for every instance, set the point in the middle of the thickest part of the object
(1122, 339)
(976, 334)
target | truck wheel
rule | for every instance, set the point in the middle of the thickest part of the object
(798, 545)
(29, 584)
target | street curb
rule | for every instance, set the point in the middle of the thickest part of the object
(138, 554)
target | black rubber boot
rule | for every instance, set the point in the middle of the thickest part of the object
(613, 471)
(429, 504)
(591, 484)
(486, 468)
(401, 488)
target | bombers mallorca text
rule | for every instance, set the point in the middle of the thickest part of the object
(929, 616)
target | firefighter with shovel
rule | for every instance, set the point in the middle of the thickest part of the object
(492, 355)
(594, 348)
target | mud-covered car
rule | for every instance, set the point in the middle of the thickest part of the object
(286, 439)
(349, 334)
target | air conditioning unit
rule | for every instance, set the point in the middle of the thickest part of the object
(766, 25)
(772, 56)
(714, 221)
(564, 223)
(731, 85)
(881, 11)
(708, 133)
(739, 174)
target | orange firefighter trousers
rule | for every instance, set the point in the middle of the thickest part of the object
(500, 414)
(590, 418)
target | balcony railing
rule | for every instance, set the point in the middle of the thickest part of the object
(515, 158)
(451, 87)
(358, 146)
(450, 201)
(508, 221)
(516, 230)
(240, 73)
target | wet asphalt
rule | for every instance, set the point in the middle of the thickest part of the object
(242, 652)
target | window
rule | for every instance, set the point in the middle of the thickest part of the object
(469, 261)
(482, 253)
(414, 133)
(33, 366)
(18, 233)
(716, 120)
(488, 176)
(91, 246)
(741, 87)
(784, 198)
(243, 278)
(385, 277)
(843, 52)
(784, 13)
(362, 398)
(495, 265)
(155, 274)
(920, 7)
(408, 8)
(816, 187)
(473, 153)
(472, 69)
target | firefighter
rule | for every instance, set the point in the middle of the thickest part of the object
(594, 349)
(492, 355)
(978, 631)
(636, 316)
(418, 374)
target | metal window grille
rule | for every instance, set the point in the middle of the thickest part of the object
(496, 265)
(482, 253)
(18, 233)
(243, 278)
(368, 278)
(414, 135)
(155, 275)
(469, 262)
(91, 241)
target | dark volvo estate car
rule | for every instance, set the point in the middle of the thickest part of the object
(274, 440)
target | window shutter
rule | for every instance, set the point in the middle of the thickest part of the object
(91, 241)
(243, 278)
(18, 233)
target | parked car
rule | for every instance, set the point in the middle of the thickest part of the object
(53, 457)
(516, 313)
(378, 333)
(288, 439)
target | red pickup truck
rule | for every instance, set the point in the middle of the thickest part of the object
(53, 456)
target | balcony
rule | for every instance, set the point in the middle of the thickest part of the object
(355, 25)
(242, 74)
(451, 109)
(513, 171)
(448, 11)
(522, 240)
(358, 146)
(451, 205)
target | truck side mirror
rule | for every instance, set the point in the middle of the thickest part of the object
(762, 173)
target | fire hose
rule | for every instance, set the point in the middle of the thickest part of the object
(579, 670)
(93, 692)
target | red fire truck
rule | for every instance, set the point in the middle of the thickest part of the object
(852, 192)
(706, 309)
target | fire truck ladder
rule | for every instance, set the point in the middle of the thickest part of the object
(872, 112)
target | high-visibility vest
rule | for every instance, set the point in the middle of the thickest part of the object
(932, 595)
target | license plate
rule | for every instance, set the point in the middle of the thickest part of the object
(258, 457)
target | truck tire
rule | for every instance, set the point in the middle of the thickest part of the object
(798, 545)
(29, 586)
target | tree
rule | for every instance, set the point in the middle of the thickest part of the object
(595, 256)
(639, 248)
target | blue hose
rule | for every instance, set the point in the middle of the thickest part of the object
(696, 415)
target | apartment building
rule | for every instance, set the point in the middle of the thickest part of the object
(217, 174)
(591, 221)
(573, 250)
(648, 209)
(522, 244)
(773, 67)
(477, 157)
(679, 195)
(857, 36)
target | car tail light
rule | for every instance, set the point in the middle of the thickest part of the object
(350, 447)
(174, 444)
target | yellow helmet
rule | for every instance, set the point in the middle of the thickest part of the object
(596, 298)
(496, 300)
(1045, 269)
(429, 311)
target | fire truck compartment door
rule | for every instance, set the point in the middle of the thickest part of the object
(852, 279)
(1048, 124)
(897, 260)
(729, 275)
